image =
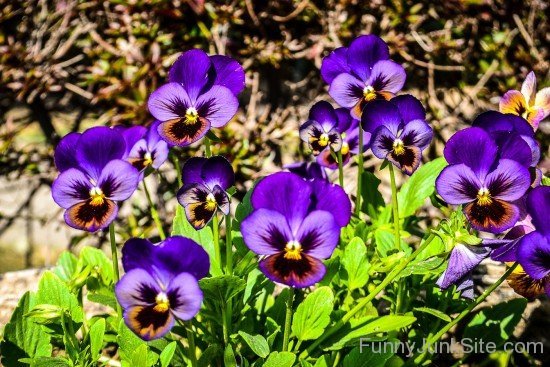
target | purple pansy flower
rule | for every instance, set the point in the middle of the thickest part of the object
(533, 250)
(295, 224)
(308, 170)
(399, 131)
(205, 182)
(321, 131)
(480, 180)
(348, 127)
(201, 94)
(361, 73)
(145, 148)
(93, 177)
(160, 285)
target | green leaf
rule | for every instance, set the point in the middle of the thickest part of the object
(213, 351)
(52, 291)
(245, 207)
(222, 288)
(229, 357)
(441, 315)
(323, 361)
(139, 356)
(204, 237)
(280, 359)
(372, 198)
(366, 357)
(257, 343)
(313, 314)
(99, 263)
(418, 187)
(97, 331)
(356, 264)
(22, 337)
(66, 266)
(167, 354)
(128, 342)
(50, 362)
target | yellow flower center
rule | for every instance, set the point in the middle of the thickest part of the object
(293, 250)
(147, 159)
(398, 147)
(97, 196)
(345, 148)
(163, 303)
(369, 93)
(484, 197)
(191, 115)
(211, 203)
(323, 140)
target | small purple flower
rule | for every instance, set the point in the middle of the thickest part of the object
(160, 284)
(362, 73)
(145, 148)
(477, 178)
(295, 224)
(205, 182)
(201, 94)
(399, 131)
(320, 132)
(308, 170)
(93, 177)
(533, 250)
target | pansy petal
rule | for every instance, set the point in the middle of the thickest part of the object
(198, 209)
(417, 133)
(218, 171)
(91, 217)
(71, 187)
(508, 181)
(408, 160)
(185, 296)
(538, 206)
(266, 232)
(181, 132)
(505, 249)
(381, 113)
(410, 108)
(222, 199)
(524, 285)
(191, 71)
(331, 198)
(148, 322)
(534, 255)
(494, 121)
(118, 180)
(535, 149)
(344, 120)
(388, 76)
(466, 286)
(308, 170)
(97, 147)
(495, 217)
(136, 287)
(323, 113)
(132, 135)
(473, 147)
(319, 234)
(513, 102)
(160, 154)
(513, 146)
(463, 259)
(192, 170)
(65, 152)
(300, 273)
(335, 64)
(382, 142)
(318, 139)
(137, 254)
(364, 52)
(136, 156)
(457, 184)
(286, 193)
(218, 105)
(346, 90)
(542, 100)
(229, 73)
(326, 159)
(529, 88)
(169, 102)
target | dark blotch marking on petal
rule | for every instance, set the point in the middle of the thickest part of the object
(140, 163)
(497, 214)
(293, 272)
(500, 184)
(182, 132)
(311, 240)
(408, 162)
(147, 322)
(526, 286)
(91, 217)
(197, 209)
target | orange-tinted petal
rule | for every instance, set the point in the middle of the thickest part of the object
(90, 216)
(182, 132)
(148, 322)
(524, 285)
(513, 102)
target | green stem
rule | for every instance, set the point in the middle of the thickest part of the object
(191, 340)
(340, 169)
(207, 149)
(360, 168)
(417, 360)
(216, 235)
(176, 162)
(154, 212)
(395, 207)
(228, 245)
(288, 319)
(225, 325)
(365, 301)
(114, 256)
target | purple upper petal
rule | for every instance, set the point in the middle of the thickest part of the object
(71, 187)
(538, 206)
(218, 171)
(169, 102)
(473, 147)
(505, 249)
(335, 64)
(417, 133)
(185, 296)
(493, 121)
(218, 105)
(319, 234)
(387, 75)
(534, 255)
(508, 181)
(513, 146)
(131, 136)
(118, 180)
(323, 113)
(308, 170)
(381, 113)
(97, 147)
(344, 120)
(364, 52)
(457, 184)
(65, 152)
(346, 90)
(228, 73)
(266, 232)
(409, 108)
(331, 198)
(191, 71)
(192, 170)
(463, 259)
(285, 193)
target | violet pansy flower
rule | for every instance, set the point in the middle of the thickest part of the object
(320, 132)
(295, 224)
(399, 131)
(205, 182)
(148, 150)
(160, 284)
(533, 106)
(201, 94)
(308, 170)
(93, 177)
(480, 180)
(362, 73)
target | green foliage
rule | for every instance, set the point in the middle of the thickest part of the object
(257, 344)
(313, 314)
(280, 359)
(356, 264)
